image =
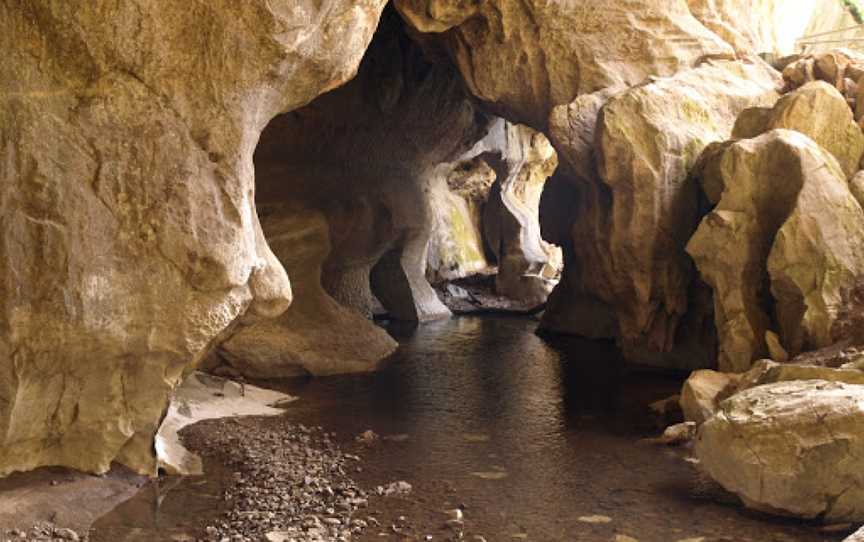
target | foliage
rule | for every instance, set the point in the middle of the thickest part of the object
(855, 8)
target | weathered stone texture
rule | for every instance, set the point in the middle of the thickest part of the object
(128, 235)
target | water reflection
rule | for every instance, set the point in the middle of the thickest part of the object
(530, 434)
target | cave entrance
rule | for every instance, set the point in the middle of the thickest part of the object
(394, 197)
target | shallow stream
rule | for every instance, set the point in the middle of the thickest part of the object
(538, 440)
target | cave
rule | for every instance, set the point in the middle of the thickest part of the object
(432, 270)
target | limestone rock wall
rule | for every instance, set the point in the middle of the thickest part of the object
(129, 240)
(365, 156)
(759, 26)
(633, 213)
(524, 58)
(316, 335)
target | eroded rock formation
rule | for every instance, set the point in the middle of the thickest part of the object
(757, 236)
(791, 448)
(633, 216)
(129, 240)
(524, 58)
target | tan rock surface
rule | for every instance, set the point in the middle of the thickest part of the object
(816, 264)
(457, 194)
(762, 179)
(653, 201)
(316, 335)
(792, 448)
(511, 221)
(701, 392)
(756, 26)
(128, 237)
(768, 372)
(524, 58)
(819, 111)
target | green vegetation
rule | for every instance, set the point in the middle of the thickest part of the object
(856, 9)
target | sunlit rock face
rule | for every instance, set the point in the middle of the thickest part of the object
(757, 26)
(523, 58)
(526, 263)
(791, 448)
(634, 205)
(458, 192)
(486, 212)
(779, 248)
(128, 235)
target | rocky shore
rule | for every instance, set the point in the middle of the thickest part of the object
(288, 483)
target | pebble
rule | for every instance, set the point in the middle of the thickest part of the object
(595, 519)
(289, 482)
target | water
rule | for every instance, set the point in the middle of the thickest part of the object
(528, 435)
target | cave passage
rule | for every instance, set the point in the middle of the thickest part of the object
(494, 271)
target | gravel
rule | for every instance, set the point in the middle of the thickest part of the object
(288, 482)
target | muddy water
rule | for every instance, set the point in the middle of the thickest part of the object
(538, 441)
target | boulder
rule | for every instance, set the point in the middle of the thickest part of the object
(129, 240)
(775, 347)
(816, 264)
(791, 448)
(856, 186)
(857, 536)
(524, 58)
(768, 372)
(632, 221)
(762, 180)
(752, 122)
(701, 392)
(819, 111)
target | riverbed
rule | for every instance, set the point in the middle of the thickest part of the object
(533, 439)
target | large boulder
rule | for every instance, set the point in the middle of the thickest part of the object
(766, 371)
(792, 448)
(524, 58)
(816, 266)
(819, 111)
(630, 223)
(770, 184)
(129, 239)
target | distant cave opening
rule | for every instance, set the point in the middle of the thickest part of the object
(380, 194)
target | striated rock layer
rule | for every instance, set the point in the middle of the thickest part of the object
(129, 240)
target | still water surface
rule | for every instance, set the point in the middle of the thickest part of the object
(529, 435)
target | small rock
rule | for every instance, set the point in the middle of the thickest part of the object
(595, 519)
(400, 488)
(66, 534)
(367, 437)
(675, 434)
